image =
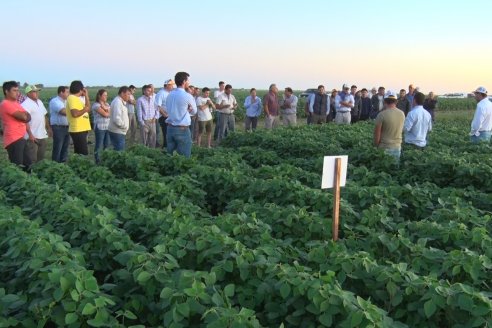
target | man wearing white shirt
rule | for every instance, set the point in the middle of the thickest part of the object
(481, 125)
(227, 104)
(417, 123)
(205, 107)
(218, 93)
(289, 107)
(344, 102)
(38, 128)
(119, 122)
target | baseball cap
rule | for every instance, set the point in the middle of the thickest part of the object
(345, 86)
(170, 81)
(480, 90)
(30, 88)
(390, 95)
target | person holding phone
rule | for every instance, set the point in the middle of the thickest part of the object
(78, 117)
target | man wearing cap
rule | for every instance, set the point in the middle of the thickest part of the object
(14, 119)
(38, 128)
(481, 125)
(59, 125)
(227, 104)
(418, 123)
(344, 102)
(148, 114)
(179, 106)
(389, 127)
(160, 101)
(271, 107)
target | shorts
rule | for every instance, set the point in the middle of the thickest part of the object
(205, 126)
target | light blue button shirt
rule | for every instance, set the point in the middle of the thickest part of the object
(417, 123)
(177, 104)
(253, 110)
(56, 105)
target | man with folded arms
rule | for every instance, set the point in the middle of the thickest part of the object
(481, 125)
(227, 104)
(417, 123)
(59, 125)
(38, 129)
(148, 114)
(14, 119)
(289, 108)
(179, 105)
(344, 103)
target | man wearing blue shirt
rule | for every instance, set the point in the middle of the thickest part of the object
(417, 123)
(253, 106)
(180, 104)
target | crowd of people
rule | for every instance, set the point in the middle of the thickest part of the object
(185, 114)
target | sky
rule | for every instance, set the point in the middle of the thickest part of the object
(440, 46)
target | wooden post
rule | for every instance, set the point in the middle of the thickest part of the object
(336, 199)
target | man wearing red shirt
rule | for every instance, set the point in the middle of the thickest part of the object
(14, 119)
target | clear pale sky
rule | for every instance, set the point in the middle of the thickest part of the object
(444, 46)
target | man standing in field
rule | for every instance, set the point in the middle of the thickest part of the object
(355, 112)
(147, 116)
(389, 127)
(179, 106)
(481, 125)
(365, 105)
(14, 119)
(271, 107)
(227, 104)
(289, 108)
(253, 106)
(417, 123)
(344, 103)
(118, 119)
(403, 103)
(59, 125)
(377, 102)
(131, 114)
(160, 101)
(204, 106)
(38, 129)
(218, 93)
(319, 106)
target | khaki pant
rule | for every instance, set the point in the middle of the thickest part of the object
(34, 151)
(289, 119)
(271, 122)
(343, 118)
(147, 132)
(318, 119)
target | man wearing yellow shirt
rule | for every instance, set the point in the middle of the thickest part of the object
(78, 117)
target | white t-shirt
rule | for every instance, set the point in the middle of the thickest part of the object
(225, 99)
(217, 94)
(38, 115)
(205, 114)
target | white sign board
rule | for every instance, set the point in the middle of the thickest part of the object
(328, 178)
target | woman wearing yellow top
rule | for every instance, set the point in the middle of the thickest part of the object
(78, 117)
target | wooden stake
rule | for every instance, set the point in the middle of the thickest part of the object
(336, 198)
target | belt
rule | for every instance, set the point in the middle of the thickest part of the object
(485, 131)
(178, 126)
(63, 126)
(343, 111)
(151, 121)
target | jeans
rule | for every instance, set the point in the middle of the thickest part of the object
(16, 152)
(484, 136)
(217, 124)
(179, 140)
(102, 141)
(395, 153)
(80, 142)
(192, 126)
(117, 140)
(61, 141)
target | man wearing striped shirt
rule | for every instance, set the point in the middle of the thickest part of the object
(147, 116)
